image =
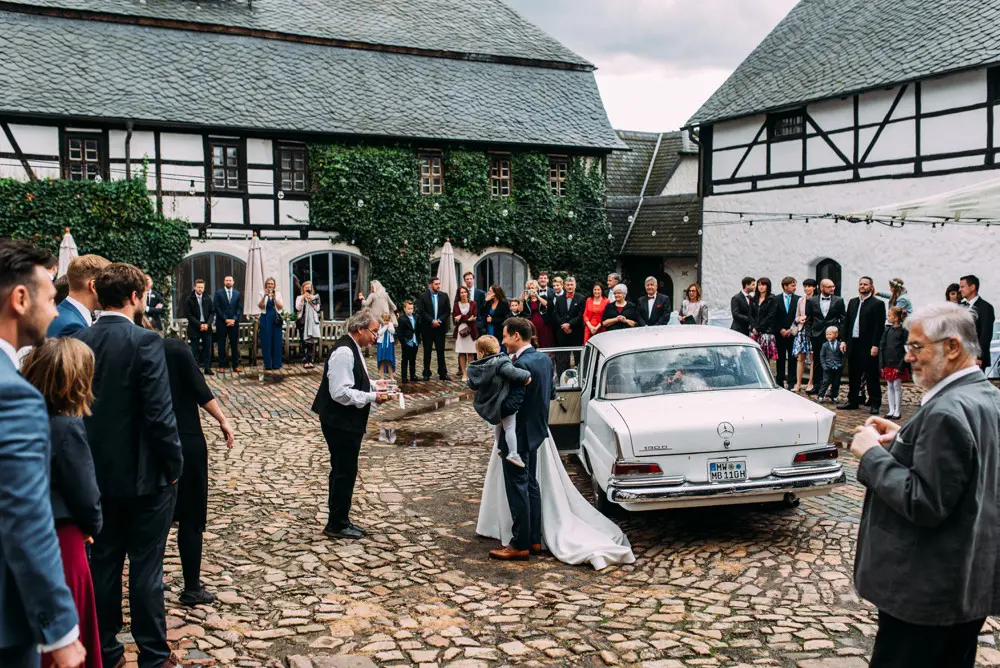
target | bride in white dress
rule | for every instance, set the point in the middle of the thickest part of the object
(572, 530)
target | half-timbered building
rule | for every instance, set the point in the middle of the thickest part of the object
(218, 99)
(847, 106)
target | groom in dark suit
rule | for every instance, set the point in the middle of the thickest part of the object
(521, 483)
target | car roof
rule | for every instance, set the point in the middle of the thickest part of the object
(643, 338)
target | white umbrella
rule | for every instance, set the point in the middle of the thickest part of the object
(253, 287)
(446, 272)
(67, 251)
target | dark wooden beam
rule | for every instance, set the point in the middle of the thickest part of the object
(17, 151)
(751, 147)
(829, 142)
(885, 122)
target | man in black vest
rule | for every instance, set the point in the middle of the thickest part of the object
(343, 403)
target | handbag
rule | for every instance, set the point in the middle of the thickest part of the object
(463, 330)
(688, 320)
(278, 320)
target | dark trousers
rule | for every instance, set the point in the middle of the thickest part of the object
(863, 368)
(20, 656)
(189, 546)
(817, 345)
(232, 334)
(409, 361)
(830, 382)
(786, 360)
(344, 447)
(136, 527)
(434, 338)
(525, 500)
(900, 644)
(201, 346)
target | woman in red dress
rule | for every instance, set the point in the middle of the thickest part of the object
(593, 312)
(62, 370)
(537, 312)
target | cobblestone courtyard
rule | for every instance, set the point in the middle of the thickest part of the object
(735, 586)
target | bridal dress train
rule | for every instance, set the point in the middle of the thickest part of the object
(572, 530)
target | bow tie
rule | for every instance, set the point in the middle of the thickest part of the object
(825, 299)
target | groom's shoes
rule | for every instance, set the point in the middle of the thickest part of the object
(350, 531)
(509, 553)
(535, 549)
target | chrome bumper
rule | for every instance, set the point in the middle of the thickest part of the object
(666, 488)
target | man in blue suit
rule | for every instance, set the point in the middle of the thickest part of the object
(228, 303)
(75, 311)
(36, 607)
(521, 483)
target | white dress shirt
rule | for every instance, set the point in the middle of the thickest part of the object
(948, 380)
(856, 332)
(10, 351)
(652, 302)
(517, 355)
(84, 311)
(824, 305)
(108, 314)
(341, 378)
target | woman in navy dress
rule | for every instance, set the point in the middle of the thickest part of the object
(271, 326)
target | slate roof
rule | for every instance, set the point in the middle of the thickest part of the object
(626, 170)
(830, 48)
(84, 68)
(665, 216)
(484, 27)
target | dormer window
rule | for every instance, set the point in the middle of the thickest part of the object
(786, 125)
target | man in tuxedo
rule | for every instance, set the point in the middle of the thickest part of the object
(36, 606)
(435, 309)
(567, 310)
(137, 455)
(823, 311)
(521, 482)
(200, 314)
(478, 296)
(740, 307)
(654, 308)
(984, 314)
(75, 312)
(546, 293)
(784, 336)
(228, 306)
(864, 325)
(154, 304)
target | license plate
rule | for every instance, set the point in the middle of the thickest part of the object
(727, 470)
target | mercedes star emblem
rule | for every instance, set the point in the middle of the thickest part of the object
(726, 429)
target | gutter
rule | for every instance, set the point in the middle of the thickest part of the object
(642, 193)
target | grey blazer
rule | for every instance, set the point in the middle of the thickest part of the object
(929, 542)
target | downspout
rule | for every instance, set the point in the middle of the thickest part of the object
(128, 150)
(642, 193)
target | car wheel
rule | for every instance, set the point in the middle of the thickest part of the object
(600, 499)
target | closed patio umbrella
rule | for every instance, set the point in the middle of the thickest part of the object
(67, 251)
(446, 272)
(253, 286)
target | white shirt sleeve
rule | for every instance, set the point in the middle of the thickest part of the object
(341, 379)
(66, 640)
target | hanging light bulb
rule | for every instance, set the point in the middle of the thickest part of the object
(361, 203)
(465, 241)
(571, 215)
(699, 233)
(437, 206)
(281, 194)
(98, 179)
(504, 213)
(653, 233)
(686, 219)
(631, 218)
(611, 236)
(496, 239)
(191, 188)
(571, 237)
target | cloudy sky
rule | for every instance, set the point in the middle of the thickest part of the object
(657, 60)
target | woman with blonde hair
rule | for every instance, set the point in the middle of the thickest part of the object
(307, 306)
(897, 296)
(63, 371)
(271, 325)
(379, 302)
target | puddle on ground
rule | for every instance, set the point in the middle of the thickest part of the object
(407, 438)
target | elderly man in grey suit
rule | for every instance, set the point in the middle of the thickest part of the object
(928, 552)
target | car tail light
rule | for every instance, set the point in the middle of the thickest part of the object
(817, 455)
(629, 468)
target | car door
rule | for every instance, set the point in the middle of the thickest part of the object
(564, 410)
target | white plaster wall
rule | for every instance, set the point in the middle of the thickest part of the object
(181, 147)
(259, 151)
(37, 139)
(684, 180)
(683, 272)
(926, 259)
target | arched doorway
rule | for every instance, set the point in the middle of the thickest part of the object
(829, 269)
(211, 268)
(337, 278)
(505, 269)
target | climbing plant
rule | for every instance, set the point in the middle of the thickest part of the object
(115, 219)
(370, 196)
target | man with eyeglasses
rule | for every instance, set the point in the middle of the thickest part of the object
(929, 539)
(343, 403)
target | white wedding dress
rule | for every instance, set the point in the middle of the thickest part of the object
(572, 530)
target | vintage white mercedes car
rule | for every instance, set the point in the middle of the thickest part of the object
(680, 416)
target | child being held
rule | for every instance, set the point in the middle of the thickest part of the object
(831, 359)
(499, 387)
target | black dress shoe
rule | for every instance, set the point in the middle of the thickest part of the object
(350, 531)
(875, 410)
(209, 372)
(199, 597)
(445, 379)
(847, 407)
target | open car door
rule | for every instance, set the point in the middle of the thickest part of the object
(564, 410)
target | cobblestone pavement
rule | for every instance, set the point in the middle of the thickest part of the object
(737, 586)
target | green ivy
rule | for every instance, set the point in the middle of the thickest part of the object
(114, 219)
(370, 196)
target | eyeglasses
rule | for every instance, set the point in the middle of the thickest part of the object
(373, 332)
(915, 348)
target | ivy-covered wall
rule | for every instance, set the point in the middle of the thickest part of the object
(370, 196)
(114, 219)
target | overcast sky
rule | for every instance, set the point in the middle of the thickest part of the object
(657, 60)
